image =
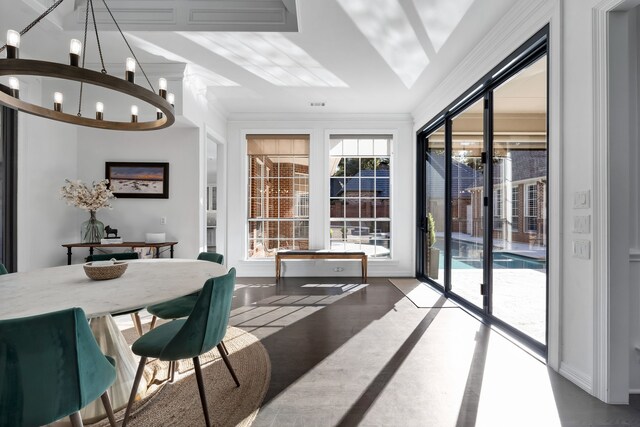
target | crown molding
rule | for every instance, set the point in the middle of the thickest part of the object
(324, 117)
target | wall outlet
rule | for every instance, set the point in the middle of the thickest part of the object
(582, 249)
(338, 269)
(163, 220)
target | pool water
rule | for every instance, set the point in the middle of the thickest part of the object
(469, 255)
(507, 260)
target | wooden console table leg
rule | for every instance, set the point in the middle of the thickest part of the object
(278, 260)
(69, 255)
(364, 268)
(171, 251)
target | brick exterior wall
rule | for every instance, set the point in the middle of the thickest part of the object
(519, 233)
(280, 204)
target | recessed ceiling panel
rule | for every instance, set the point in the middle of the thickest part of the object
(386, 26)
(191, 15)
(269, 56)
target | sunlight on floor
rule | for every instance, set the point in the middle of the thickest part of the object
(412, 364)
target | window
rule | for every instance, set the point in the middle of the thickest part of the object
(531, 208)
(278, 194)
(514, 208)
(360, 195)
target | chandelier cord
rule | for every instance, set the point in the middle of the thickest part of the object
(84, 43)
(128, 45)
(38, 19)
(95, 27)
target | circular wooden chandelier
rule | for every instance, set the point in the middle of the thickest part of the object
(13, 66)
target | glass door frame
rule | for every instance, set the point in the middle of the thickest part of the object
(531, 51)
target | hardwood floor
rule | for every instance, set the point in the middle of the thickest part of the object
(344, 353)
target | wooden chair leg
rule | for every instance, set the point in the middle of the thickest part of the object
(172, 371)
(107, 407)
(228, 363)
(76, 420)
(224, 347)
(154, 319)
(134, 390)
(137, 322)
(203, 398)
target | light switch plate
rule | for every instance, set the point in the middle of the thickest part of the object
(582, 249)
(582, 224)
(581, 199)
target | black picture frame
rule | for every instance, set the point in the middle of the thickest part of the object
(138, 180)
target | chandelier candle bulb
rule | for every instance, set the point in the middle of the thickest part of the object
(14, 85)
(13, 44)
(134, 114)
(158, 113)
(171, 98)
(162, 84)
(57, 102)
(130, 67)
(75, 50)
(72, 70)
(99, 110)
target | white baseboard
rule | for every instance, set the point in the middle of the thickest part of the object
(580, 379)
(321, 268)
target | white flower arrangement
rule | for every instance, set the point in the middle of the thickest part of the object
(78, 194)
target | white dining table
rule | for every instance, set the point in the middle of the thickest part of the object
(144, 283)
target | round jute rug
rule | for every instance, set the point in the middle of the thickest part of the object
(178, 403)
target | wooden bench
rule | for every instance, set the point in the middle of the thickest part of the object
(284, 255)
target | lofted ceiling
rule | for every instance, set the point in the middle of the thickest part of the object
(279, 56)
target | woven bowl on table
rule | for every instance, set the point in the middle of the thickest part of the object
(105, 272)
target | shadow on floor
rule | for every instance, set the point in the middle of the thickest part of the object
(301, 346)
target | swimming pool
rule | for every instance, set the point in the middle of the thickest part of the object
(469, 255)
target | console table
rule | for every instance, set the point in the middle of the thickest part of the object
(321, 254)
(131, 245)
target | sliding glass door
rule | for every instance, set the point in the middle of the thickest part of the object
(434, 221)
(467, 210)
(482, 187)
(519, 250)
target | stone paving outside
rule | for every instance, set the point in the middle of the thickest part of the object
(519, 294)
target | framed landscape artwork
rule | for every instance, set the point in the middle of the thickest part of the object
(138, 179)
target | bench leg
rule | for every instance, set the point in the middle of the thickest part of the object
(277, 267)
(364, 268)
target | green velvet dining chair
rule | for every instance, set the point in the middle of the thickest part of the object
(182, 306)
(3, 269)
(122, 256)
(51, 367)
(191, 337)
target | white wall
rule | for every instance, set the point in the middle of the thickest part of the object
(135, 217)
(319, 127)
(47, 154)
(634, 211)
